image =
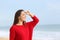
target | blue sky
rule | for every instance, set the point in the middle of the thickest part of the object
(48, 11)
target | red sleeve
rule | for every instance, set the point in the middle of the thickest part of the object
(12, 33)
(34, 22)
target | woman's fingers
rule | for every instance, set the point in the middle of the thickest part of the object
(27, 12)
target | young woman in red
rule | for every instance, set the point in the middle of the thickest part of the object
(20, 29)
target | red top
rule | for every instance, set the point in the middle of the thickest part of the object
(23, 32)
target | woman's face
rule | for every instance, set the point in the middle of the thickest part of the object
(22, 16)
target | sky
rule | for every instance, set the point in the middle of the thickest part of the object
(48, 11)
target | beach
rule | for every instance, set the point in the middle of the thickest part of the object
(37, 35)
(4, 35)
(4, 38)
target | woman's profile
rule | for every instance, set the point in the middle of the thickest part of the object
(22, 30)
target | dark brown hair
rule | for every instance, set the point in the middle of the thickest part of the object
(17, 14)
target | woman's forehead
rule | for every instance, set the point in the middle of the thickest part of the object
(23, 12)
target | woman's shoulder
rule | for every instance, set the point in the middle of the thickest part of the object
(12, 27)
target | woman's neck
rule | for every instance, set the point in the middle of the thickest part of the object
(20, 22)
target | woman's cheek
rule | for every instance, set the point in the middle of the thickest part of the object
(23, 18)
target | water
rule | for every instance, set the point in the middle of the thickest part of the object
(47, 32)
(48, 27)
(41, 32)
(45, 35)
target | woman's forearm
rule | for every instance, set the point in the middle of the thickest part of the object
(35, 19)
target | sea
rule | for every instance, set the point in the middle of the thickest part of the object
(40, 32)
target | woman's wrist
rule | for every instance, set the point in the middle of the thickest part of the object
(31, 15)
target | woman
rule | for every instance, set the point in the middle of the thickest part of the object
(22, 30)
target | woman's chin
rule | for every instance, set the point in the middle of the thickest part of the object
(24, 19)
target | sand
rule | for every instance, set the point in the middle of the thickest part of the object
(4, 38)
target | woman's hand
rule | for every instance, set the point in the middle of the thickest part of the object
(29, 13)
